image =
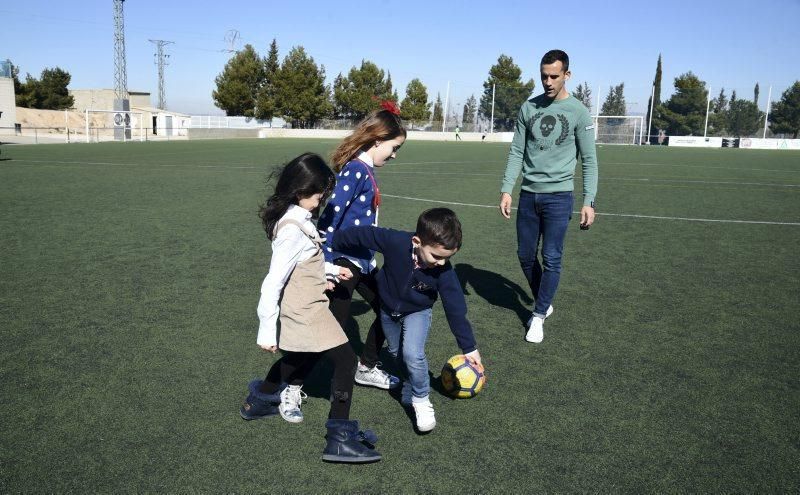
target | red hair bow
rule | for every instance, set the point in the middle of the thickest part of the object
(389, 106)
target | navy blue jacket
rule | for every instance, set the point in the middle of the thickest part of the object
(404, 289)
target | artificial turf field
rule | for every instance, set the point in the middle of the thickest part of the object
(130, 274)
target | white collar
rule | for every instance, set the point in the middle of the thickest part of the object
(295, 212)
(366, 159)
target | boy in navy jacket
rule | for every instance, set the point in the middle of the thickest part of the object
(415, 272)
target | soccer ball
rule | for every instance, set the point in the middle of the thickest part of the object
(461, 378)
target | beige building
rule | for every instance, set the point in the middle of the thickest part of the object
(156, 122)
(7, 106)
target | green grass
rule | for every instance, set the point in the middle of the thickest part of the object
(130, 273)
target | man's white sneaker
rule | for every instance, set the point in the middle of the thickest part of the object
(375, 377)
(548, 312)
(535, 330)
(426, 420)
(291, 398)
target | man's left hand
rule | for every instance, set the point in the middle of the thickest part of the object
(587, 216)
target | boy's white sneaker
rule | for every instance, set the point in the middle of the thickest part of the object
(426, 420)
(535, 330)
(375, 377)
(291, 398)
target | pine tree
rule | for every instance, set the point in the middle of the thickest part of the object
(469, 110)
(784, 117)
(583, 94)
(415, 106)
(615, 101)
(510, 92)
(361, 91)
(755, 94)
(239, 83)
(301, 95)
(684, 113)
(438, 114)
(265, 102)
(655, 99)
(717, 120)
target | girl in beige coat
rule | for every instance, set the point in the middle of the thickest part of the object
(293, 293)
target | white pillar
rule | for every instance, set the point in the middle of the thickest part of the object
(446, 101)
(708, 105)
(491, 123)
(652, 103)
(766, 115)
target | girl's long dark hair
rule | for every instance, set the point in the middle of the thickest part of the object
(306, 175)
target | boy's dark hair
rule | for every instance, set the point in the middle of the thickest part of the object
(439, 226)
(303, 177)
(554, 56)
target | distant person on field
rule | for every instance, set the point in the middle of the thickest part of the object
(294, 292)
(415, 272)
(458, 135)
(552, 130)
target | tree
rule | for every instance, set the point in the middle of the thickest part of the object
(509, 93)
(49, 92)
(469, 110)
(785, 115)
(755, 94)
(239, 83)
(684, 113)
(615, 101)
(717, 119)
(301, 95)
(415, 106)
(265, 101)
(438, 113)
(742, 117)
(361, 91)
(655, 99)
(53, 88)
(583, 94)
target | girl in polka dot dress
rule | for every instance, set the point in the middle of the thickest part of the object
(356, 201)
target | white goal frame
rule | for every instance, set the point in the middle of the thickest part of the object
(109, 130)
(634, 129)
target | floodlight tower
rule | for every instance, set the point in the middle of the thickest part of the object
(121, 99)
(161, 61)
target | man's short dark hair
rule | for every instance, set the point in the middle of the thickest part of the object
(439, 226)
(554, 56)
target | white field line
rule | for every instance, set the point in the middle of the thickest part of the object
(399, 172)
(655, 217)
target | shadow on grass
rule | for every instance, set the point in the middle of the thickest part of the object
(495, 289)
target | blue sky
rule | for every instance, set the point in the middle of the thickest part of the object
(731, 44)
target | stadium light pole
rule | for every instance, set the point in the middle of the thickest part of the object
(708, 105)
(766, 115)
(650, 122)
(446, 101)
(491, 123)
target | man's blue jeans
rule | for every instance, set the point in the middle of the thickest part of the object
(406, 336)
(542, 216)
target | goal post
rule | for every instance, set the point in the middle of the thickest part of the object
(619, 129)
(100, 125)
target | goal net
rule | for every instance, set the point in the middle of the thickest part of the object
(111, 125)
(618, 129)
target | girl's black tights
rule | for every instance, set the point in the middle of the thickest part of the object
(293, 367)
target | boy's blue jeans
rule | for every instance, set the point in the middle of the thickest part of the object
(545, 216)
(405, 337)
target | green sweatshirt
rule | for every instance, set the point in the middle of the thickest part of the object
(547, 139)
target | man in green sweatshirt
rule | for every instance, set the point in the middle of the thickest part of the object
(552, 129)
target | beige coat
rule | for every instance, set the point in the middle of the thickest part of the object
(306, 323)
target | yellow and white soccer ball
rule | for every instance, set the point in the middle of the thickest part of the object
(461, 378)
